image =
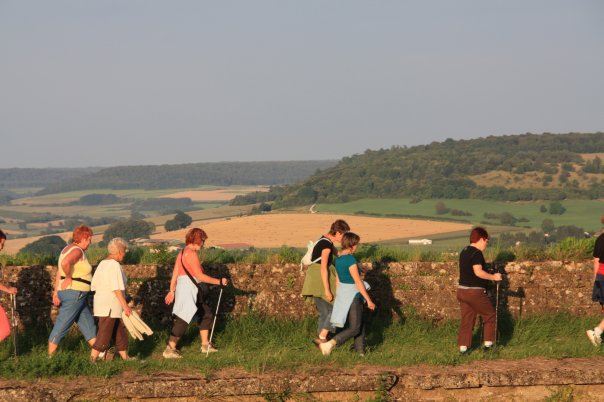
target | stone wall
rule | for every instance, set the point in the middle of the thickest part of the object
(399, 289)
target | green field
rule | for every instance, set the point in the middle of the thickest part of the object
(30, 207)
(581, 213)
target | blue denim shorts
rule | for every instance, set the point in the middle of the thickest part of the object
(73, 309)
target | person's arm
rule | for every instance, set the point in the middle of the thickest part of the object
(479, 272)
(325, 273)
(196, 271)
(170, 296)
(120, 296)
(55, 293)
(68, 262)
(596, 266)
(354, 272)
(9, 290)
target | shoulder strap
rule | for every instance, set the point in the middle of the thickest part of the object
(182, 262)
(73, 248)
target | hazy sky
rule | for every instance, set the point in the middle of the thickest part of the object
(114, 82)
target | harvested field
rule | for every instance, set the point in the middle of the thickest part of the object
(276, 230)
(12, 246)
(220, 194)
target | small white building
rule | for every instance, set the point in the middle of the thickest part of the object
(420, 242)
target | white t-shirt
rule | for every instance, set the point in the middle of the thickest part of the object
(108, 278)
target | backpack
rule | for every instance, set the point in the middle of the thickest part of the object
(307, 259)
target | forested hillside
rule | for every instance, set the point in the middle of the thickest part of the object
(559, 166)
(192, 175)
(20, 178)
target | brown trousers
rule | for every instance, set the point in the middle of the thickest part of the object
(111, 328)
(473, 302)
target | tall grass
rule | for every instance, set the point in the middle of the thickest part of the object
(262, 344)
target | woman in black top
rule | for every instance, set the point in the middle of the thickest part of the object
(320, 280)
(472, 294)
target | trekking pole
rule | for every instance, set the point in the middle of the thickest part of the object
(214, 323)
(13, 307)
(496, 311)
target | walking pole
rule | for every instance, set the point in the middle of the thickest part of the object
(496, 311)
(214, 323)
(13, 307)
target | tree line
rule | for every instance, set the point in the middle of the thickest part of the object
(191, 175)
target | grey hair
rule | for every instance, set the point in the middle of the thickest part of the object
(116, 244)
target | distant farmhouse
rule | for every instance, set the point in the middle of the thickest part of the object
(172, 245)
(420, 242)
(234, 246)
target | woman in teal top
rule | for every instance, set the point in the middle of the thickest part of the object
(348, 306)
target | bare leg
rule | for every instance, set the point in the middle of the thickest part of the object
(173, 341)
(52, 348)
(204, 334)
(94, 354)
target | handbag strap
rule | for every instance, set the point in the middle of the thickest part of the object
(182, 262)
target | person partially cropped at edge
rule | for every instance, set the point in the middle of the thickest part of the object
(183, 292)
(321, 278)
(595, 335)
(72, 288)
(4, 323)
(472, 294)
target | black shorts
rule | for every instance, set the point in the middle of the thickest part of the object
(204, 316)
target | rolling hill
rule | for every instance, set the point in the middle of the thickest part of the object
(512, 168)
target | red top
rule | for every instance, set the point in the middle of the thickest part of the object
(601, 269)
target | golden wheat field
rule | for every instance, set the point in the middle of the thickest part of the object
(275, 230)
(292, 229)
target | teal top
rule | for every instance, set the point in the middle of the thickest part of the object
(343, 264)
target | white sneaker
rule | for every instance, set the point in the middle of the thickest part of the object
(170, 353)
(208, 348)
(326, 348)
(593, 338)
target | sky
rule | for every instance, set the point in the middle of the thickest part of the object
(148, 82)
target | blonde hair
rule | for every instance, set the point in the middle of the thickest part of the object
(116, 245)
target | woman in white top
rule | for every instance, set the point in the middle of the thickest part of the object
(109, 283)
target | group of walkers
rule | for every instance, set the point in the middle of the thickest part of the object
(75, 281)
(332, 282)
